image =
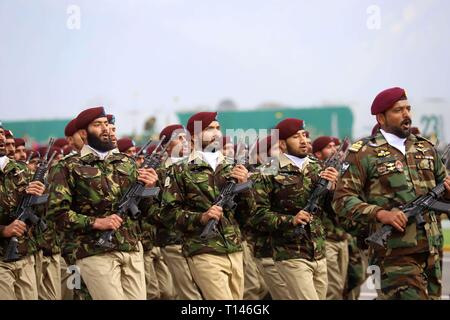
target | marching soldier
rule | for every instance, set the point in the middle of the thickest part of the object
(20, 153)
(112, 129)
(216, 264)
(336, 246)
(83, 198)
(280, 199)
(17, 279)
(167, 237)
(386, 171)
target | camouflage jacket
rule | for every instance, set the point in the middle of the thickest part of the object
(155, 232)
(330, 220)
(381, 177)
(50, 241)
(279, 197)
(190, 192)
(13, 181)
(83, 188)
(259, 239)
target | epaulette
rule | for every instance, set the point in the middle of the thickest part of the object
(424, 139)
(313, 159)
(359, 144)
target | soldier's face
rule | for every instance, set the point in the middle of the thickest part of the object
(178, 146)
(131, 152)
(112, 134)
(2, 142)
(397, 120)
(326, 152)
(296, 145)
(98, 135)
(20, 153)
(211, 137)
(10, 148)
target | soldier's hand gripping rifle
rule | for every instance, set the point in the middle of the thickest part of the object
(414, 209)
(128, 204)
(226, 199)
(323, 185)
(26, 210)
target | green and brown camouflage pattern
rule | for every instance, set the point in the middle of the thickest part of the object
(13, 180)
(279, 197)
(154, 230)
(381, 177)
(84, 188)
(191, 191)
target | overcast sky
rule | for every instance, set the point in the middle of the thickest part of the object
(152, 57)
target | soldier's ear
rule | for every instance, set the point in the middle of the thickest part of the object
(381, 119)
(283, 145)
(83, 134)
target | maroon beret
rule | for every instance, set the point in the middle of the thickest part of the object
(375, 129)
(289, 127)
(111, 119)
(168, 131)
(61, 142)
(71, 128)
(19, 142)
(386, 99)
(9, 134)
(205, 117)
(415, 130)
(124, 144)
(87, 116)
(336, 141)
(42, 150)
(320, 143)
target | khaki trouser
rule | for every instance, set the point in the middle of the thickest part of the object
(116, 275)
(337, 265)
(158, 279)
(278, 288)
(66, 293)
(219, 277)
(254, 286)
(306, 280)
(48, 276)
(184, 284)
(18, 280)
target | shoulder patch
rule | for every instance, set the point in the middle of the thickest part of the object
(424, 139)
(356, 146)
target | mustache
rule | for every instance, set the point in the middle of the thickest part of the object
(406, 121)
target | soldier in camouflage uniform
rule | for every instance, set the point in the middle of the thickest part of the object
(112, 129)
(17, 279)
(216, 264)
(267, 153)
(168, 237)
(158, 280)
(83, 199)
(386, 171)
(336, 246)
(280, 199)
